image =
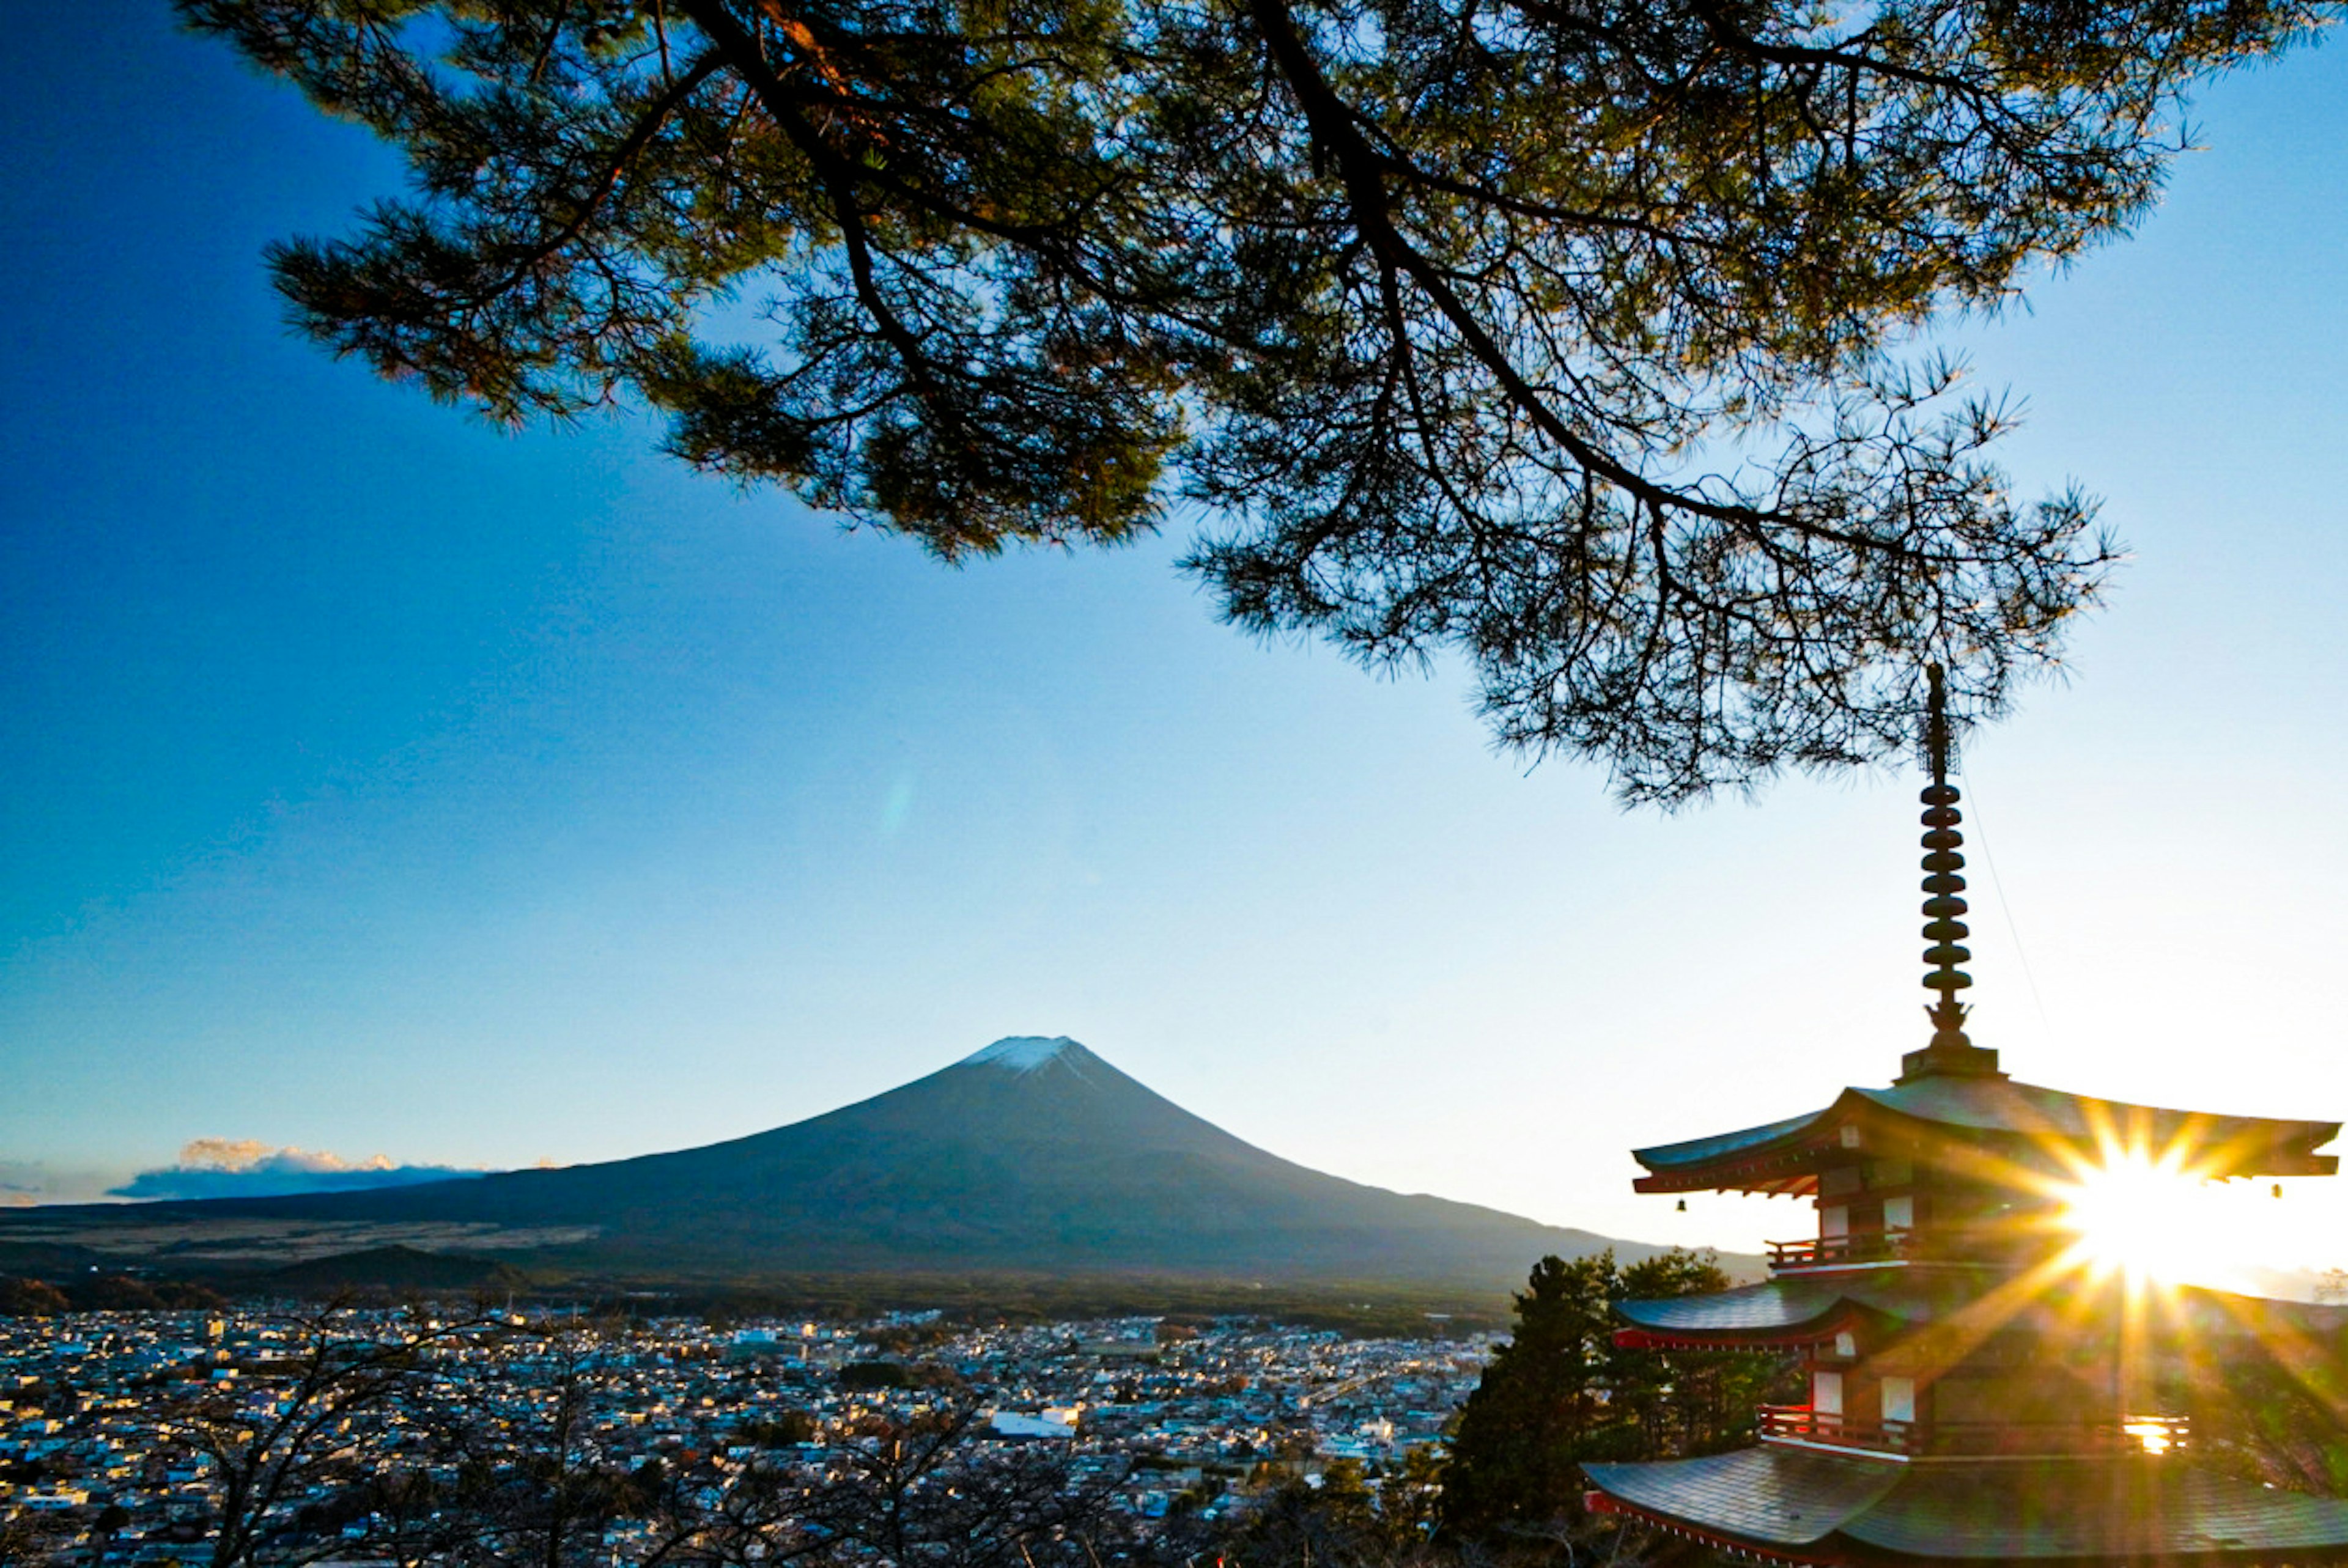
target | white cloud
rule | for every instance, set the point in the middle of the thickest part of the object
(252, 1155)
(249, 1168)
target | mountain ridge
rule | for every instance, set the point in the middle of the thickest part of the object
(1032, 1153)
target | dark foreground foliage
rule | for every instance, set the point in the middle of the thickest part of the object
(1561, 1393)
(1560, 335)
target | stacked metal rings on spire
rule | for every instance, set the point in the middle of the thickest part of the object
(1944, 874)
(1945, 883)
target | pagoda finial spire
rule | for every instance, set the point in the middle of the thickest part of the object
(1944, 904)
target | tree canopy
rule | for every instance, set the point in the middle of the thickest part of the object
(1563, 335)
(1562, 1391)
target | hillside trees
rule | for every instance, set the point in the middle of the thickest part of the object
(31, 1298)
(286, 1429)
(77, 1290)
(1562, 335)
(924, 1488)
(1561, 1392)
(532, 1492)
(1339, 1518)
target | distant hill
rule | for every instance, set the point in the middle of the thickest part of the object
(399, 1268)
(1032, 1156)
(46, 1257)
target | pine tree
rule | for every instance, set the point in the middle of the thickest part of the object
(1561, 1392)
(1541, 1406)
(1562, 335)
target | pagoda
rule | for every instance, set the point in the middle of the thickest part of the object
(1977, 1392)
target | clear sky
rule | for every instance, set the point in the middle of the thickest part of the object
(375, 782)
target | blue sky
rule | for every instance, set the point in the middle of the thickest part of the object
(375, 782)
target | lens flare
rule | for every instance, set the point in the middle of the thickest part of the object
(2151, 1216)
(2125, 1214)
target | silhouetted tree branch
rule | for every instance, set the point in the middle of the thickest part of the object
(1562, 335)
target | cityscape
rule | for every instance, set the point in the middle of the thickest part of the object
(119, 1432)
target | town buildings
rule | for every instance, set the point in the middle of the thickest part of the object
(105, 1418)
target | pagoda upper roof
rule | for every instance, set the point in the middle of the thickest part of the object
(1959, 1109)
(1799, 1308)
(1806, 1506)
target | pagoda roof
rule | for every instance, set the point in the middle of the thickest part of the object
(1805, 1506)
(1802, 1307)
(1784, 1156)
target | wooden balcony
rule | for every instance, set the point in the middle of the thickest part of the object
(1834, 1251)
(2154, 1435)
(1799, 1423)
(2011, 1243)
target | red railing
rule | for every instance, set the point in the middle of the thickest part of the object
(1977, 1440)
(1799, 1423)
(2007, 1243)
(1822, 1252)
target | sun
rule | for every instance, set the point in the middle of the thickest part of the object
(2125, 1215)
(2151, 1216)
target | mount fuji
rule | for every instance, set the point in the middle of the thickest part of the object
(1033, 1154)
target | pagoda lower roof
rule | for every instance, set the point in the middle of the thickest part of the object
(1798, 1308)
(1802, 1506)
(1803, 1306)
(1783, 1156)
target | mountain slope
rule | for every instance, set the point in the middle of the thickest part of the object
(1031, 1154)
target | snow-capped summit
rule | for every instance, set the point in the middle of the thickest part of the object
(1023, 1052)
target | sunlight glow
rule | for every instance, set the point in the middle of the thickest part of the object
(2152, 1216)
(2125, 1214)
